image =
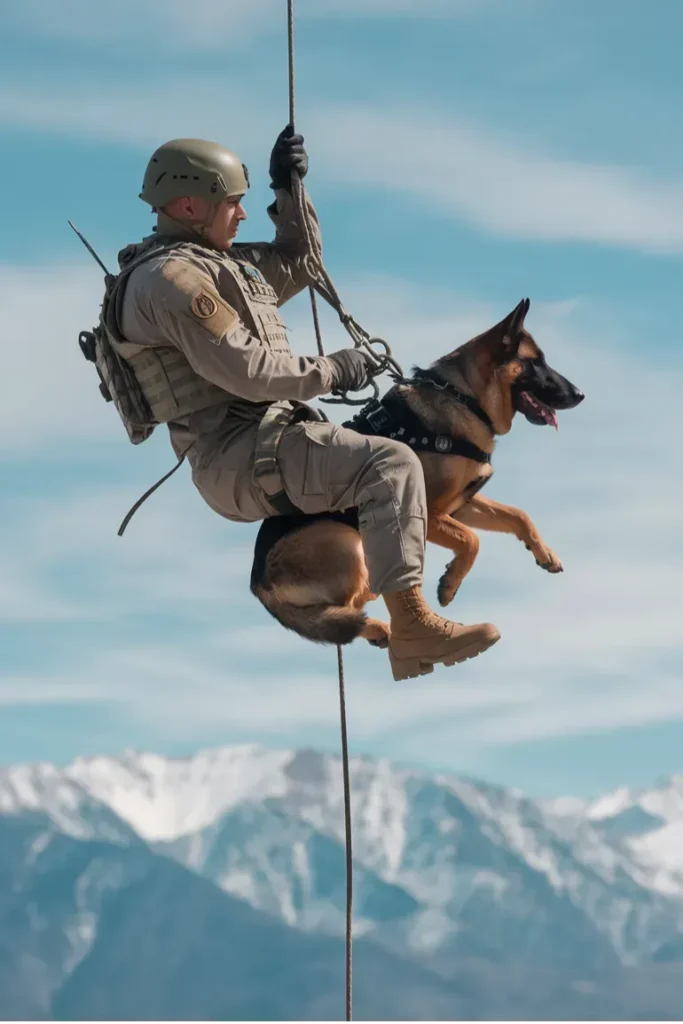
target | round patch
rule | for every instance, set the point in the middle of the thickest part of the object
(204, 306)
(443, 444)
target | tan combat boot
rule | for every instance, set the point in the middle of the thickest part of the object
(420, 639)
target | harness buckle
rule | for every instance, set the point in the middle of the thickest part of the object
(376, 415)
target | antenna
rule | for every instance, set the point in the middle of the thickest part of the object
(89, 247)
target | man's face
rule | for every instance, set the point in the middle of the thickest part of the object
(217, 223)
(223, 221)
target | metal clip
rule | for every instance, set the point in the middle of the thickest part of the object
(343, 398)
(377, 416)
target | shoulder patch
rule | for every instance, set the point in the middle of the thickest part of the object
(195, 289)
(204, 306)
(215, 315)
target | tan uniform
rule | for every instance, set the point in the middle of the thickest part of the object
(219, 309)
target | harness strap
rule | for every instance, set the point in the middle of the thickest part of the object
(152, 489)
(392, 418)
(266, 472)
(276, 419)
(441, 383)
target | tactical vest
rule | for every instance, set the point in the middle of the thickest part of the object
(149, 385)
(259, 297)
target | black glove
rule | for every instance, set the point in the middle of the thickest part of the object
(288, 153)
(350, 369)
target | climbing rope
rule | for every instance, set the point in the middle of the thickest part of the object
(347, 834)
(314, 267)
(322, 283)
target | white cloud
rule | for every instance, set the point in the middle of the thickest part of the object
(593, 648)
(55, 391)
(208, 25)
(574, 711)
(177, 557)
(505, 186)
(25, 596)
(22, 690)
(198, 691)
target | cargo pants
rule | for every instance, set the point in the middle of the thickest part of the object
(325, 468)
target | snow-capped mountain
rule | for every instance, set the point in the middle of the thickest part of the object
(159, 798)
(646, 824)
(443, 863)
(124, 881)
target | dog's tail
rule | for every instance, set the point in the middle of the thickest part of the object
(321, 623)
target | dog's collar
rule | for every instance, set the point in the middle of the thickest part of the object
(436, 380)
(391, 417)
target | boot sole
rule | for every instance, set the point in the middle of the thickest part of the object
(412, 668)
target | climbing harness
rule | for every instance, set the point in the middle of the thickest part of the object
(277, 417)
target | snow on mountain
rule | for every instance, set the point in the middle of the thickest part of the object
(72, 809)
(610, 804)
(662, 848)
(666, 801)
(649, 824)
(163, 798)
(663, 803)
(435, 855)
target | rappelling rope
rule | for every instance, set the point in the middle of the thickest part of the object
(321, 280)
(347, 834)
(324, 285)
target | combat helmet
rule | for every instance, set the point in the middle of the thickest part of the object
(193, 167)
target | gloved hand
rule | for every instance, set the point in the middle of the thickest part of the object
(350, 368)
(288, 153)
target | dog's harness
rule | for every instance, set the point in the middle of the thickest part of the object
(391, 417)
(438, 381)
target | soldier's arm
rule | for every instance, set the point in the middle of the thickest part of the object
(282, 261)
(190, 313)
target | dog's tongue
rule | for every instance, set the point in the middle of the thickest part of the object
(543, 410)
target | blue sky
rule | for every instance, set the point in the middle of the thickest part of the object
(464, 154)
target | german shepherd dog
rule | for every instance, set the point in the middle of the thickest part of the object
(309, 571)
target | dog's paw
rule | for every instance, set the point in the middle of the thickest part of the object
(550, 562)
(446, 590)
(545, 558)
(376, 633)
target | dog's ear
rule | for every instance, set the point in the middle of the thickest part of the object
(507, 334)
(514, 321)
(497, 345)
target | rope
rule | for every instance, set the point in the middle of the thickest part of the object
(307, 229)
(347, 833)
(322, 282)
(316, 265)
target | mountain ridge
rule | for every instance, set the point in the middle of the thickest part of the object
(565, 896)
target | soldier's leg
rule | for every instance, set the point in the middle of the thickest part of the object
(224, 476)
(329, 468)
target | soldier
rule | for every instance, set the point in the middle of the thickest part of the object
(196, 316)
